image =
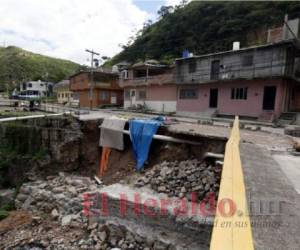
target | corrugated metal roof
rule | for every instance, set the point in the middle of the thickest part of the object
(289, 41)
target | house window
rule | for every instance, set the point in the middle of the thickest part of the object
(215, 70)
(29, 85)
(104, 95)
(127, 94)
(140, 73)
(247, 60)
(142, 94)
(239, 93)
(58, 95)
(188, 94)
(192, 66)
(76, 96)
(125, 74)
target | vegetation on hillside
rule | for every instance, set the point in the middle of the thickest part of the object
(204, 27)
(18, 65)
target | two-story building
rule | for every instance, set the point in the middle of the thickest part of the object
(63, 93)
(255, 82)
(150, 85)
(36, 88)
(103, 85)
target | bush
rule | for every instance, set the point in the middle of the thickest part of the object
(3, 214)
(8, 207)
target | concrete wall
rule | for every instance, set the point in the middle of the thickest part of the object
(161, 98)
(251, 107)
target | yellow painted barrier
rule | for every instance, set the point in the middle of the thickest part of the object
(232, 228)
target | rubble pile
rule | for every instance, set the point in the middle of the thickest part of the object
(57, 220)
(40, 235)
(60, 196)
(181, 179)
(119, 237)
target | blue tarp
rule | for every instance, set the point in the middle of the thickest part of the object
(141, 134)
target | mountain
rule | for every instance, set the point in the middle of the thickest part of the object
(205, 27)
(18, 65)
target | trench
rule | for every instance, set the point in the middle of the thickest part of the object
(36, 149)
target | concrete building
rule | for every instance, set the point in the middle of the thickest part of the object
(63, 93)
(106, 90)
(149, 85)
(36, 88)
(258, 82)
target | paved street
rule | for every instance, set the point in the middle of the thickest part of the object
(290, 165)
(274, 201)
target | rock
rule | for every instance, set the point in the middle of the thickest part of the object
(54, 214)
(161, 189)
(164, 171)
(113, 241)
(160, 246)
(66, 220)
(93, 226)
(297, 145)
(22, 197)
(102, 236)
(207, 187)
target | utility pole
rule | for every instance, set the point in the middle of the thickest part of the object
(92, 76)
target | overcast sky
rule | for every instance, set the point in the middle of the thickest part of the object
(65, 28)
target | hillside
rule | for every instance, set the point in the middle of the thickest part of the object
(204, 27)
(17, 65)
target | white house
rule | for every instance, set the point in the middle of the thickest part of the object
(36, 88)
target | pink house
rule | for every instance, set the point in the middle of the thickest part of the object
(259, 82)
(149, 85)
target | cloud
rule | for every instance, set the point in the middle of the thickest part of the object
(65, 28)
(173, 2)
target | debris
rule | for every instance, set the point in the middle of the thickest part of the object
(180, 179)
(98, 180)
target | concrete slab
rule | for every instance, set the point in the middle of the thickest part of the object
(153, 214)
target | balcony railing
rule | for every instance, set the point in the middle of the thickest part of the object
(236, 71)
(144, 81)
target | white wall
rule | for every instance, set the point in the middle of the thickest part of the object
(35, 86)
(160, 106)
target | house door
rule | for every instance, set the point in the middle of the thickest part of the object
(215, 70)
(113, 98)
(269, 98)
(295, 100)
(213, 98)
(132, 97)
